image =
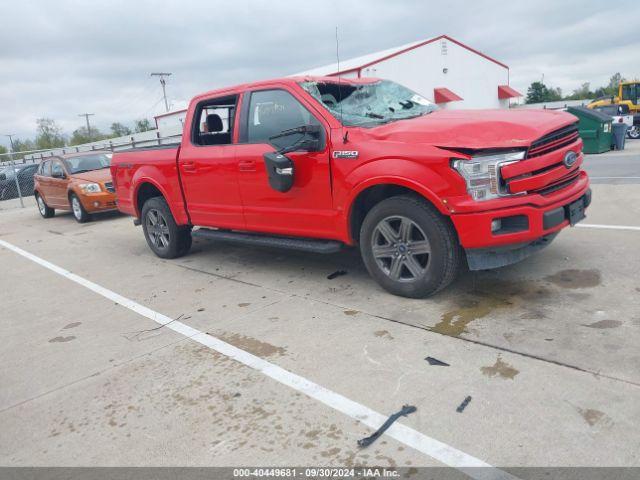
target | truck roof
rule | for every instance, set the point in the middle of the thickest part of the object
(286, 81)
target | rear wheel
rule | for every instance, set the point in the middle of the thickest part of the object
(45, 211)
(408, 247)
(634, 132)
(163, 235)
(79, 213)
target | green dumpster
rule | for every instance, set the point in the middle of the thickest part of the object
(594, 129)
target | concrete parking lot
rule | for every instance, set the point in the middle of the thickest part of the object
(547, 350)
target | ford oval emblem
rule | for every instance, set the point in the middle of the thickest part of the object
(570, 158)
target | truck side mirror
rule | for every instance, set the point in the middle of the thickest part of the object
(279, 170)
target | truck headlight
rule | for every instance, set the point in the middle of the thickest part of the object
(90, 187)
(482, 173)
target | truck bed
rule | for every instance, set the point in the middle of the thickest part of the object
(148, 168)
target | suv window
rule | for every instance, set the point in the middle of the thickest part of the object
(45, 170)
(56, 169)
(214, 124)
(271, 112)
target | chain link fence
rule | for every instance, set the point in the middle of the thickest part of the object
(16, 182)
(18, 168)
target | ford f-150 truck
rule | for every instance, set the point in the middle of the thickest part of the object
(317, 163)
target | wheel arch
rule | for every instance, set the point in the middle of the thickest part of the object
(370, 193)
(147, 188)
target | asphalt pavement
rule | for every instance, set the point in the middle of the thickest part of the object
(615, 167)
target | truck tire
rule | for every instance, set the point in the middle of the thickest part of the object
(43, 208)
(409, 248)
(164, 236)
(79, 213)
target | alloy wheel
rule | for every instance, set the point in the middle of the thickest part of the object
(401, 248)
(41, 206)
(157, 228)
(77, 208)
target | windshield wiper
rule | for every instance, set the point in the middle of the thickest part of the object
(374, 115)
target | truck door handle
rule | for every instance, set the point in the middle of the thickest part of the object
(247, 166)
(189, 166)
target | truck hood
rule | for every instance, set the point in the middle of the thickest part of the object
(97, 176)
(475, 129)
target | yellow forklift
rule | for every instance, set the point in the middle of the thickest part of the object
(629, 95)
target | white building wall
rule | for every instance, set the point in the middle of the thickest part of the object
(171, 123)
(469, 75)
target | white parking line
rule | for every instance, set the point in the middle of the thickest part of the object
(613, 178)
(609, 227)
(440, 451)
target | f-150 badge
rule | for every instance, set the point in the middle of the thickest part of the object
(345, 154)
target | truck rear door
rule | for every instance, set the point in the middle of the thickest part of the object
(208, 167)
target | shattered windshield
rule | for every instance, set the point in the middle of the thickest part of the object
(369, 104)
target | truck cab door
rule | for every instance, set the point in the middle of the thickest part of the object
(208, 167)
(306, 208)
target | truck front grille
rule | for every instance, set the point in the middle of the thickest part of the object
(543, 170)
(553, 141)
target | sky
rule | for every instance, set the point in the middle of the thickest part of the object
(61, 58)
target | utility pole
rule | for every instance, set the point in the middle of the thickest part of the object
(163, 83)
(86, 117)
(15, 171)
(11, 141)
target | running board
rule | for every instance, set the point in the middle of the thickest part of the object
(290, 243)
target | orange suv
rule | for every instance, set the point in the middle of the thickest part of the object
(79, 182)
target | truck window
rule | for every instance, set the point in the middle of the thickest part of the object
(630, 92)
(214, 121)
(271, 112)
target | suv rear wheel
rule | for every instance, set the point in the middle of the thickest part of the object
(45, 211)
(408, 247)
(164, 236)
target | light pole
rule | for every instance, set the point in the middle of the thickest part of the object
(163, 83)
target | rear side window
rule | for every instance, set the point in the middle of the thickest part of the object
(45, 168)
(56, 169)
(214, 121)
(271, 112)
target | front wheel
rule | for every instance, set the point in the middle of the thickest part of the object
(634, 132)
(43, 208)
(79, 213)
(164, 236)
(408, 247)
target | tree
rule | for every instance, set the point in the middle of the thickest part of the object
(120, 130)
(48, 134)
(80, 136)
(142, 125)
(3, 149)
(22, 146)
(612, 88)
(537, 93)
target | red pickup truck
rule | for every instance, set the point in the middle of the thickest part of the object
(317, 163)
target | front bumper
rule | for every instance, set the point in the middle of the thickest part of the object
(98, 202)
(536, 217)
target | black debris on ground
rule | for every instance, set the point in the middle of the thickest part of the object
(406, 410)
(463, 405)
(435, 361)
(336, 274)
